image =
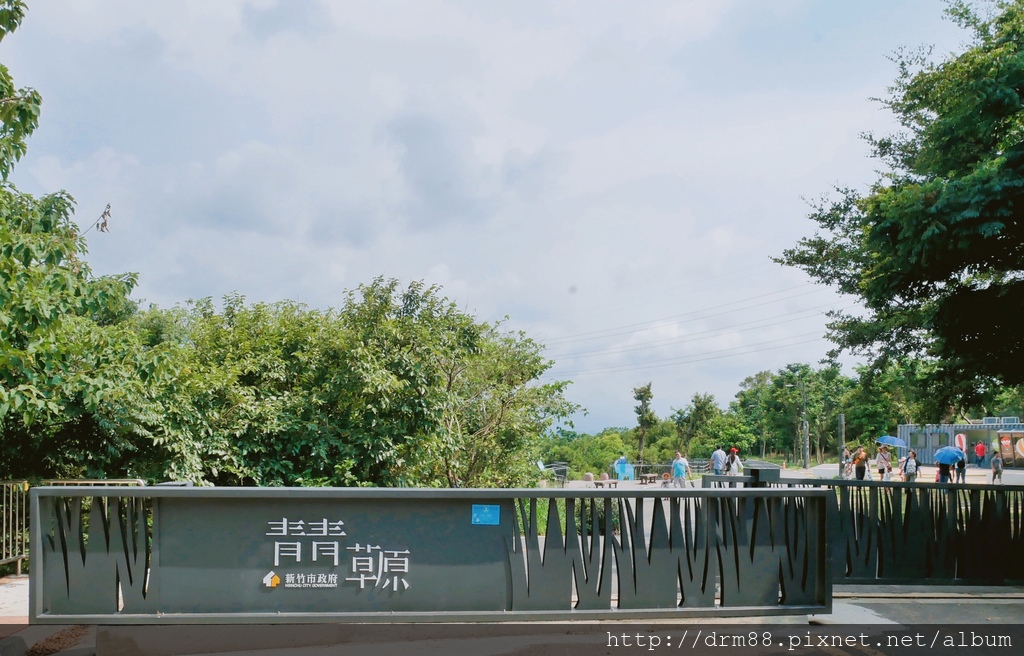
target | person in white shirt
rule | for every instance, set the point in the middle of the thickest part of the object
(733, 464)
(883, 461)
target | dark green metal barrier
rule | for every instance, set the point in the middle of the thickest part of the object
(923, 533)
(155, 555)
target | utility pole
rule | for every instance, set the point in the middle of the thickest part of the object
(807, 435)
(804, 427)
(842, 443)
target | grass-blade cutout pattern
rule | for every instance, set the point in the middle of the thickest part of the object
(129, 529)
(547, 578)
(82, 543)
(694, 542)
(750, 563)
(798, 524)
(857, 505)
(592, 545)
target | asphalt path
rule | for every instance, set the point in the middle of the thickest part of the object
(954, 610)
(975, 475)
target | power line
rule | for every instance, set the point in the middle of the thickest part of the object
(699, 336)
(690, 360)
(688, 316)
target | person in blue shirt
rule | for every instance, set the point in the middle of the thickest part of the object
(622, 469)
(718, 461)
(680, 470)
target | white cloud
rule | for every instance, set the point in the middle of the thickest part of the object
(610, 176)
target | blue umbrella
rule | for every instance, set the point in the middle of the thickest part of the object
(891, 441)
(949, 455)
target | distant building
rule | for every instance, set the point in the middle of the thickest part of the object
(1005, 434)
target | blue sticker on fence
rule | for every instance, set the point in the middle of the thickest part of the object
(485, 515)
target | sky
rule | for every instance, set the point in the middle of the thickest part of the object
(610, 178)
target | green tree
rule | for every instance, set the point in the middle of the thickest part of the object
(645, 417)
(827, 392)
(257, 393)
(933, 249)
(695, 419)
(72, 374)
(19, 108)
(585, 453)
(1007, 402)
(461, 398)
(662, 442)
(396, 388)
(751, 403)
(496, 411)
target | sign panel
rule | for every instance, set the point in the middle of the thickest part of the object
(251, 555)
(486, 514)
(137, 555)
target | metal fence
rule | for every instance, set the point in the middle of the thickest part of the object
(14, 545)
(14, 506)
(698, 467)
(201, 555)
(99, 482)
(923, 533)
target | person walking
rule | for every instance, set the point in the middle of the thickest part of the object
(847, 460)
(997, 467)
(860, 463)
(733, 464)
(961, 470)
(884, 463)
(718, 461)
(944, 473)
(680, 470)
(911, 466)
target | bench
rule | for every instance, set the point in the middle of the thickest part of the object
(648, 478)
(611, 482)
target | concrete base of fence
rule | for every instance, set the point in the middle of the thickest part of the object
(378, 640)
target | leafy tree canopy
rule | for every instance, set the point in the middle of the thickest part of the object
(935, 248)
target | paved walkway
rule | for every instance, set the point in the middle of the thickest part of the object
(974, 476)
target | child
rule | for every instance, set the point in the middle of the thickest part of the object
(997, 467)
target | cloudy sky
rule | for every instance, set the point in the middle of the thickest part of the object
(611, 176)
